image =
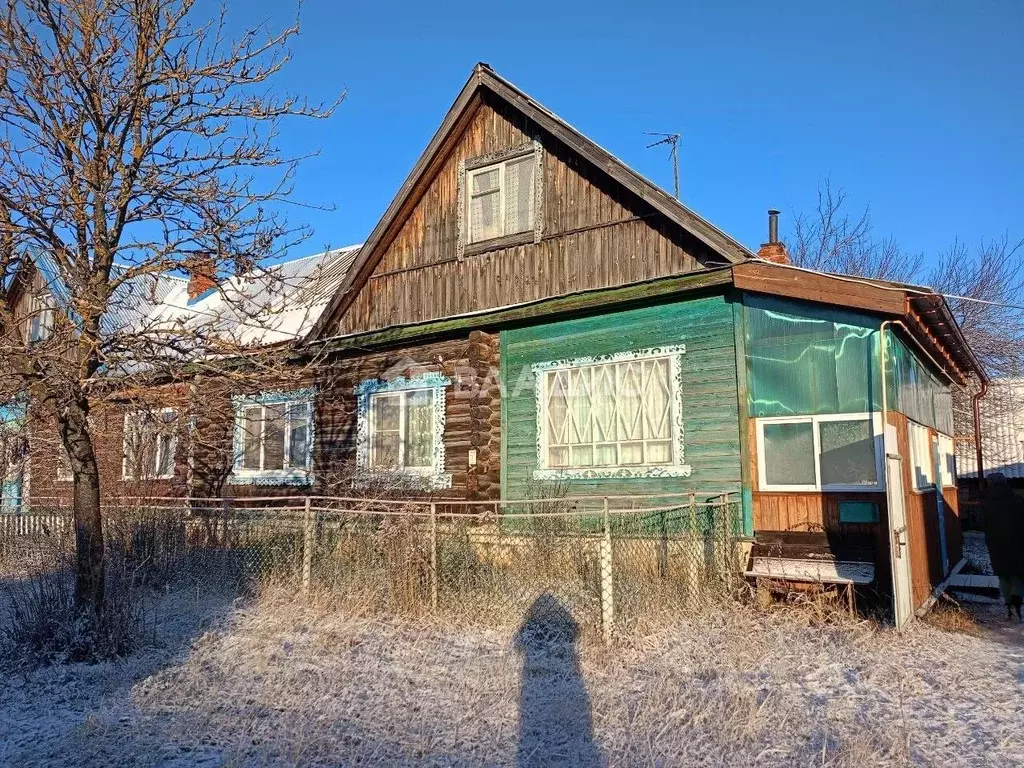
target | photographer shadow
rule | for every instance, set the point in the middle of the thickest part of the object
(555, 725)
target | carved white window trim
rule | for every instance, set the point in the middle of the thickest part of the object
(433, 477)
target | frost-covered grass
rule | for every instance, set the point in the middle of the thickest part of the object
(274, 681)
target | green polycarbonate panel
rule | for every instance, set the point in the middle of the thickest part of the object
(804, 359)
(914, 390)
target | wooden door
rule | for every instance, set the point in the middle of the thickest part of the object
(902, 597)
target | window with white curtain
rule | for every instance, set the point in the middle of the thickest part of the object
(273, 435)
(150, 442)
(620, 413)
(947, 461)
(401, 428)
(922, 463)
(40, 322)
(500, 198)
(823, 452)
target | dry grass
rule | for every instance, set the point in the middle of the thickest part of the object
(280, 682)
(949, 616)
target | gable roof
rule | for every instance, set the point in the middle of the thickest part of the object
(483, 78)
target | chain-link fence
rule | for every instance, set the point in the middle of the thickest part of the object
(611, 563)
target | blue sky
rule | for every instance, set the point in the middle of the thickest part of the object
(916, 108)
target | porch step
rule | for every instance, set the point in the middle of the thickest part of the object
(974, 581)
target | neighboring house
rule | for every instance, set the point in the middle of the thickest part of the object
(531, 315)
(1002, 435)
(158, 442)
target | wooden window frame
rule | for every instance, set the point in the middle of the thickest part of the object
(130, 420)
(814, 420)
(39, 326)
(469, 167)
(403, 406)
(287, 475)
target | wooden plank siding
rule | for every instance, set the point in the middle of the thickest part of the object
(595, 234)
(708, 384)
(927, 569)
(818, 512)
(809, 511)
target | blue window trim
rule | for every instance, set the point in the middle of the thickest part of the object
(300, 477)
(678, 467)
(435, 478)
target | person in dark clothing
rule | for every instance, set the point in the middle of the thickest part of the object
(1004, 534)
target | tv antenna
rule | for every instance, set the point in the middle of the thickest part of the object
(672, 139)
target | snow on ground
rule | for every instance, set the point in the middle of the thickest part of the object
(976, 552)
(279, 683)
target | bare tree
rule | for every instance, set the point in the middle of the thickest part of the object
(983, 290)
(982, 286)
(833, 240)
(134, 144)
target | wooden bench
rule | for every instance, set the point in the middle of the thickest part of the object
(813, 557)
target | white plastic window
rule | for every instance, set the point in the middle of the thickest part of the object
(922, 462)
(826, 452)
(150, 443)
(947, 461)
(274, 437)
(401, 430)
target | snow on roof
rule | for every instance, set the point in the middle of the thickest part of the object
(267, 305)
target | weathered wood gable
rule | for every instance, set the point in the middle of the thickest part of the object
(600, 224)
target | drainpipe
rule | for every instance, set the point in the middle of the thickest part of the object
(976, 406)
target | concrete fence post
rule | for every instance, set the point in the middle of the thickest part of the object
(226, 517)
(433, 556)
(308, 544)
(607, 580)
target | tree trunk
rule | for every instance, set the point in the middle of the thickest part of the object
(89, 552)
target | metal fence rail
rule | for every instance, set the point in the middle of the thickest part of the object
(613, 562)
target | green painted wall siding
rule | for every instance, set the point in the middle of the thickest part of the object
(710, 406)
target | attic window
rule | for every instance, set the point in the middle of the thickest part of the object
(40, 324)
(501, 196)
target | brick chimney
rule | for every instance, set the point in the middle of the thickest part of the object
(201, 275)
(774, 250)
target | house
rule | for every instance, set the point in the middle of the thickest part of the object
(1002, 435)
(530, 313)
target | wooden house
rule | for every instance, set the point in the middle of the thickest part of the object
(573, 324)
(529, 313)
